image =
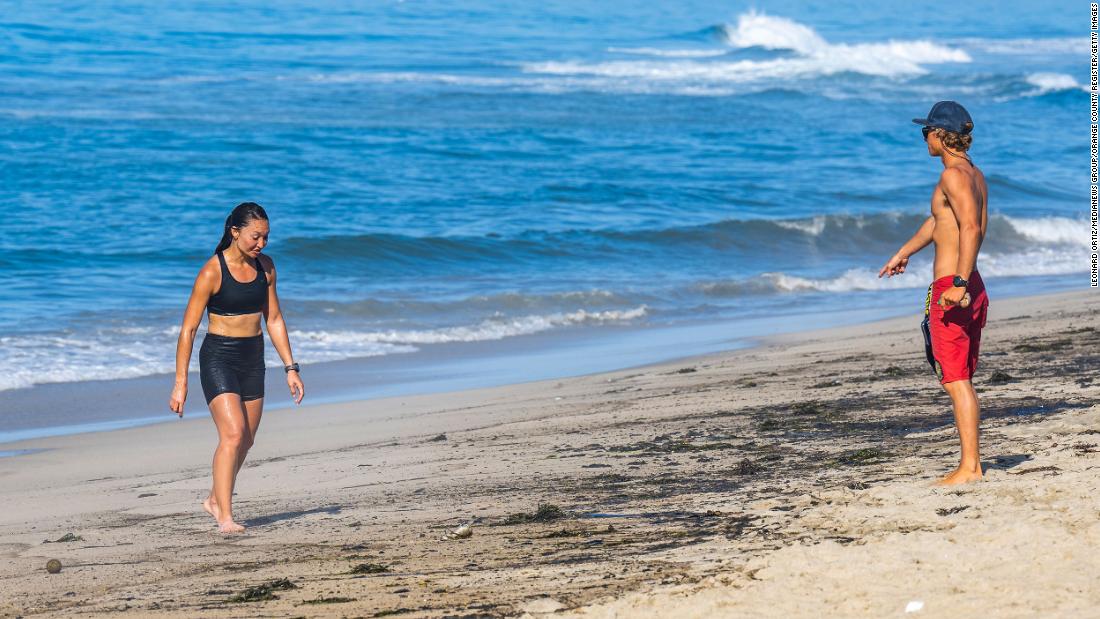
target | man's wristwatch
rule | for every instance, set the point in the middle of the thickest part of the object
(292, 367)
(959, 282)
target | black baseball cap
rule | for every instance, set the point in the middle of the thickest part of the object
(948, 115)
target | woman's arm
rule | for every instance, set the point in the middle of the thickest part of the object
(276, 330)
(205, 283)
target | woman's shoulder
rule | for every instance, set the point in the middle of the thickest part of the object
(268, 265)
(211, 269)
(212, 264)
(266, 262)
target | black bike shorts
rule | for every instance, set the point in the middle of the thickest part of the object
(232, 365)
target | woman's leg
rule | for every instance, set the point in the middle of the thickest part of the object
(253, 410)
(230, 419)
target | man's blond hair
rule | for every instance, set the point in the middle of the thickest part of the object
(955, 141)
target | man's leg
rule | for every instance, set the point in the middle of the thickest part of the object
(967, 415)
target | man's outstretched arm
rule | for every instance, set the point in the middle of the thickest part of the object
(920, 240)
(956, 184)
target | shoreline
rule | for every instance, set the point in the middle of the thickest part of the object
(683, 487)
(442, 369)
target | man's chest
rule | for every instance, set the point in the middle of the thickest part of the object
(941, 208)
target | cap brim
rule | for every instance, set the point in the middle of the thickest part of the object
(922, 121)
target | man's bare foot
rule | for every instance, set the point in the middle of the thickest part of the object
(960, 476)
(210, 504)
(228, 526)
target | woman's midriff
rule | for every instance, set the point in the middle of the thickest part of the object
(245, 325)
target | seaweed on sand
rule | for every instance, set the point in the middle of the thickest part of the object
(369, 568)
(546, 512)
(263, 592)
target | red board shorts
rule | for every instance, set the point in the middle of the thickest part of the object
(957, 332)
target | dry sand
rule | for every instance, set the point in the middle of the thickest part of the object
(791, 479)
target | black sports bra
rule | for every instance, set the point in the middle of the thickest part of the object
(235, 298)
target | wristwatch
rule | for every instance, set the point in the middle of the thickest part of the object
(959, 282)
(292, 366)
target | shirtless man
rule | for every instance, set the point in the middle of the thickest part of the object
(957, 227)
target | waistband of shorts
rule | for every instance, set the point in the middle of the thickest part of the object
(230, 338)
(947, 281)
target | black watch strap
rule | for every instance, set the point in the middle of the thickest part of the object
(292, 366)
(959, 282)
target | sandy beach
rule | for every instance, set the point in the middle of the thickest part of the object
(588, 299)
(790, 479)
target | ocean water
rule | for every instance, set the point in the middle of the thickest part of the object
(439, 172)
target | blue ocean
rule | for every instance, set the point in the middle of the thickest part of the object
(441, 173)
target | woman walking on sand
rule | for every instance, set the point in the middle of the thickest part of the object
(237, 287)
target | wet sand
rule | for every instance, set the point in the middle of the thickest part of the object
(791, 479)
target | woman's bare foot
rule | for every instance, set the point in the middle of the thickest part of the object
(960, 476)
(228, 526)
(210, 504)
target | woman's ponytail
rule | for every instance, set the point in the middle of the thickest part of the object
(240, 217)
(227, 236)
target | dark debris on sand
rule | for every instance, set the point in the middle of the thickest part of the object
(545, 512)
(68, 537)
(265, 591)
(325, 600)
(370, 568)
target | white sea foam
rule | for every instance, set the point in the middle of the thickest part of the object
(318, 346)
(131, 352)
(1053, 82)
(1028, 47)
(755, 29)
(496, 328)
(704, 72)
(915, 276)
(1052, 230)
(523, 83)
(893, 59)
(815, 57)
(1038, 261)
(813, 226)
(58, 358)
(668, 53)
(1044, 230)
